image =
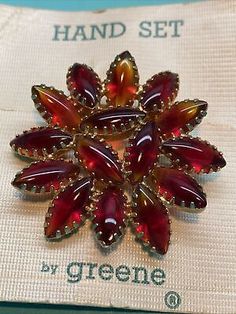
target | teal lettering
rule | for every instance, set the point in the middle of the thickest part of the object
(117, 29)
(61, 32)
(80, 33)
(91, 268)
(122, 273)
(137, 271)
(158, 276)
(106, 271)
(145, 29)
(176, 27)
(96, 30)
(75, 271)
(160, 29)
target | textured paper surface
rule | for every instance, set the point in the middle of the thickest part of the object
(200, 265)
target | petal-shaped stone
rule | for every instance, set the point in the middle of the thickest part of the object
(182, 117)
(98, 158)
(152, 224)
(84, 85)
(40, 142)
(159, 91)
(44, 176)
(179, 188)
(122, 80)
(109, 215)
(113, 122)
(68, 210)
(194, 154)
(56, 108)
(141, 152)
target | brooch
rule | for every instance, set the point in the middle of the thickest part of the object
(101, 154)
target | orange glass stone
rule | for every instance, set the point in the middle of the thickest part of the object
(182, 117)
(56, 108)
(98, 158)
(122, 80)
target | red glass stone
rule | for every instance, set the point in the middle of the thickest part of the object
(152, 224)
(84, 85)
(141, 152)
(109, 215)
(160, 90)
(42, 176)
(56, 108)
(182, 117)
(68, 210)
(121, 84)
(113, 121)
(179, 188)
(40, 142)
(194, 154)
(99, 158)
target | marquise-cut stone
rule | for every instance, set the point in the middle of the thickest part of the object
(44, 176)
(109, 215)
(182, 117)
(152, 224)
(56, 108)
(40, 142)
(113, 121)
(98, 158)
(141, 152)
(194, 154)
(84, 85)
(179, 188)
(122, 80)
(160, 90)
(68, 210)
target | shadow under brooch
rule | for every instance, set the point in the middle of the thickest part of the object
(96, 119)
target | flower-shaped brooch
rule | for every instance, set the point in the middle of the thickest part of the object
(94, 182)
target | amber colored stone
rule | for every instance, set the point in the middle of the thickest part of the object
(122, 80)
(179, 188)
(40, 142)
(56, 108)
(159, 91)
(43, 176)
(98, 158)
(68, 210)
(84, 85)
(194, 154)
(152, 224)
(113, 121)
(181, 117)
(109, 215)
(141, 152)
